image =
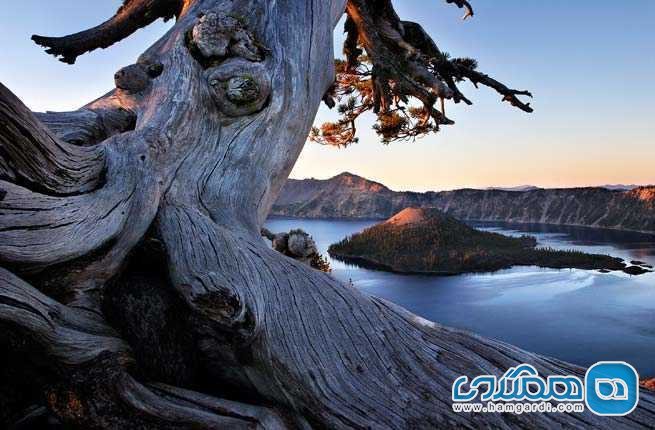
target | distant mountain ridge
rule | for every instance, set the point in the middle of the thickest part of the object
(517, 188)
(613, 187)
(620, 187)
(351, 196)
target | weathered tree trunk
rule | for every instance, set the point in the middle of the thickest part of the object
(133, 261)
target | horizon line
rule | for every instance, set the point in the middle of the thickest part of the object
(609, 186)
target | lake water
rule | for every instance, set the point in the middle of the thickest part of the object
(575, 315)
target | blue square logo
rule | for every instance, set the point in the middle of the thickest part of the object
(611, 388)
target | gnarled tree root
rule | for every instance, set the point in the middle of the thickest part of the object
(87, 372)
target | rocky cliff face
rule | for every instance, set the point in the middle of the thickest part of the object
(350, 196)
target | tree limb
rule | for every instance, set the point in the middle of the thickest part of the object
(133, 15)
(458, 69)
(327, 351)
(405, 66)
(509, 95)
(88, 126)
(31, 155)
(68, 336)
(82, 239)
(463, 4)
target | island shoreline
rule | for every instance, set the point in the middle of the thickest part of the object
(626, 230)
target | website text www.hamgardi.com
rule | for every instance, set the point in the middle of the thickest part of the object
(609, 388)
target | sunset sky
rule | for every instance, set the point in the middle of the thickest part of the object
(589, 64)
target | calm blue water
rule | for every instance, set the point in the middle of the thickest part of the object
(575, 315)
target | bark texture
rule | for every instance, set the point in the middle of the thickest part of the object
(135, 279)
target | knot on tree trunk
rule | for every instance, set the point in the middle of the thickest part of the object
(217, 36)
(136, 77)
(239, 87)
(214, 298)
(239, 83)
(241, 90)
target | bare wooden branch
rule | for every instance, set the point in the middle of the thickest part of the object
(69, 337)
(372, 353)
(509, 95)
(33, 156)
(463, 4)
(87, 127)
(133, 15)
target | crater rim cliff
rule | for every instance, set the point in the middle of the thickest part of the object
(350, 196)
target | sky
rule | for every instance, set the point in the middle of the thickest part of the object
(590, 65)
